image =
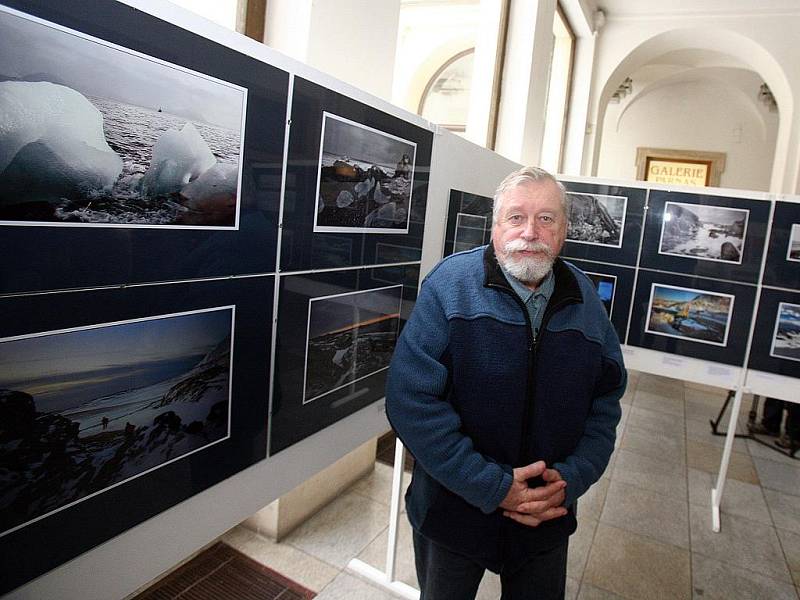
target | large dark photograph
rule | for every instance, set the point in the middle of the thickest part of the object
(690, 314)
(350, 337)
(97, 135)
(605, 285)
(365, 179)
(596, 218)
(86, 409)
(786, 339)
(793, 253)
(470, 232)
(714, 233)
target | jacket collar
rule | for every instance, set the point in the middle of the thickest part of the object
(566, 289)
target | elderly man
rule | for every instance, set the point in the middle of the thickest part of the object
(505, 386)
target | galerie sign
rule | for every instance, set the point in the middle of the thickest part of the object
(670, 171)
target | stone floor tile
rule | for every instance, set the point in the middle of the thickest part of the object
(378, 485)
(351, 587)
(635, 566)
(738, 498)
(699, 431)
(715, 580)
(287, 560)
(706, 457)
(657, 421)
(647, 513)
(579, 545)
(664, 477)
(654, 444)
(785, 510)
(341, 530)
(590, 505)
(658, 402)
(791, 549)
(573, 585)
(590, 592)
(490, 588)
(740, 542)
(778, 476)
(375, 553)
(761, 451)
(706, 394)
(665, 386)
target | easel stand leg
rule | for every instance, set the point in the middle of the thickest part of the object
(716, 492)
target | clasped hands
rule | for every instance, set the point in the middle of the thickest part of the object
(532, 506)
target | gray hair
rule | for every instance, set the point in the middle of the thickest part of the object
(521, 177)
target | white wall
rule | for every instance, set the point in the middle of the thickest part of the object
(700, 115)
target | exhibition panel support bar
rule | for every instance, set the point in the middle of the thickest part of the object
(210, 250)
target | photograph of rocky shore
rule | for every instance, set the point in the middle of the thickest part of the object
(714, 233)
(786, 340)
(596, 218)
(794, 243)
(365, 179)
(350, 337)
(97, 135)
(695, 315)
(89, 408)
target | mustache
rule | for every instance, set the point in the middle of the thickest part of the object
(523, 246)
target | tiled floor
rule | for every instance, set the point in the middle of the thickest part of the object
(644, 529)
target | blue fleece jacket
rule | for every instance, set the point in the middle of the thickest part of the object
(472, 397)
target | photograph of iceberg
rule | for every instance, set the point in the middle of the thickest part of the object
(365, 179)
(92, 134)
(89, 408)
(605, 286)
(694, 315)
(470, 232)
(350, 336)
(705, 232)
(794, 243)
(786, 340)
(596, 218)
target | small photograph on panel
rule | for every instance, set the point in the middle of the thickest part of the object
(715, 233)
(91, 407)
(98, 135)
(605, 285)
(596, 218)
(350, 336)
(470, 231)
(690, 314)
(794, 243)
(365, 179)
(786, 339)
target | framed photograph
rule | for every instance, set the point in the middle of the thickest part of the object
(704, 232)
(148, 144)
(350, 321)
(614, 286)
(350, 336)
(365, 178)
(786, 338)
(121, 399)
(690, 314)
(596, 219)
(353, 172)
(604, 222)
(469, 222)
(120, 404)
(127, 160)
(793, 251)
(776, 335)
(704, 235)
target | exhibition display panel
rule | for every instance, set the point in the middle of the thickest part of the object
(469, 222)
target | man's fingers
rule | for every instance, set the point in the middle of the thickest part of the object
(551, 475)
(540, 506)
(543, 492)
(530, 471)
(534, 521)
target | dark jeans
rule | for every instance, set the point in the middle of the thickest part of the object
(773, 414)
(445, 575)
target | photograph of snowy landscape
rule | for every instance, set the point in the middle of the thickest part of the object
(605, 286)
(714, 233)
(365, 179)
(786, 340)
(695, 315)
(84, 409)
(794, 243)
(596, 218)
(96, 135)
(350, 337)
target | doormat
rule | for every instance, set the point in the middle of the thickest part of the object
(223, 573)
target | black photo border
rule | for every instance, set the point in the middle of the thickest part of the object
(304, 249)
(779, 270)
(45, 257)
(623, 291)
(292, 419)
(43, 544)
(755, 236)
(733, 353)
(763, 335)
(466, 203)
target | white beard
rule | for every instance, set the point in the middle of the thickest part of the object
(527, 269)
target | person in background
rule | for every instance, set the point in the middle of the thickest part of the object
(505, 386)
(771, 420)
